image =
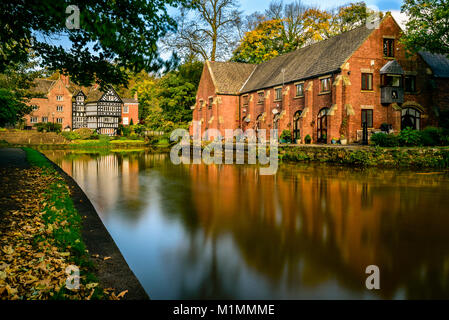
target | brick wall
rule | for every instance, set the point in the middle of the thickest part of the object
(345, 102)
(47, 107)
(133, 113)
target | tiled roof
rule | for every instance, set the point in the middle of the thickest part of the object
(129, 100)
(229, 77)
(314, 60)
(437, 62)
(392, 67)
(42, 86)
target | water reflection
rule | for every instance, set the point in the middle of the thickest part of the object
(224, 231)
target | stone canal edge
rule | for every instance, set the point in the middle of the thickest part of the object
(115, 271)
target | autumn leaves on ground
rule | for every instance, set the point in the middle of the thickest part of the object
(40, 236)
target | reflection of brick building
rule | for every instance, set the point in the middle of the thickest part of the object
(327, 89)
(77, 107)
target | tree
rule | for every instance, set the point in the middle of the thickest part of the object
(15, 83)
(178, 90)
(263, 43)
(113, 36)
(285, 28)
(292, 17)
(206, 30)
(427, 27)
(350, 16)
(165, 102)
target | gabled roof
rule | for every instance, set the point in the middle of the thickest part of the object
(392, 67)
(318, 59)
(229, 77)
(437, 62)
(42, 86)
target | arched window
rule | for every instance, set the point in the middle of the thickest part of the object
(322, 125)
(411, 118)
(296, 130)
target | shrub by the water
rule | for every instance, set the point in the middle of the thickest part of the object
(48, 127)
(430, 136)
(286, 136)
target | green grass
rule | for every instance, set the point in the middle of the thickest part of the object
(59, 213)
(127, 142)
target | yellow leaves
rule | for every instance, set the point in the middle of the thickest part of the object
(8, 250)
(91, 285)
(32, 261)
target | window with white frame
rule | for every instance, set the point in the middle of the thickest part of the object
(33, 119)
(44, 119)
(59, 108)
(125, 109)
(59, 98)
(59, 120)
(125, 121)
(34, 107)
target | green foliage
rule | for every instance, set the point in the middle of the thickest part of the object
(430, 136)
(286, 136)
(70, 135)
(100, 48)
(409, 137)
(165, 102)
(48, 127)
(84, 133)
(426, 27)
(308, 139)
(12, 107)
(384, 140)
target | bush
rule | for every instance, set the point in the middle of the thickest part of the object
(384, 140)
(84, 133)
(70, 135)
(48, 127)
(409, 138)
(286, 136)
(432, 136)
(308, 139)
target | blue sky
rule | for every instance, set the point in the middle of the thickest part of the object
(249, 6)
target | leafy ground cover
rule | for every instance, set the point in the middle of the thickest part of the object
(41, 237)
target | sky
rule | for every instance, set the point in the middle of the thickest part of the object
(250, 6)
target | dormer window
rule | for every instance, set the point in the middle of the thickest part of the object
(388, 48)
(80, 98)
(59, 98)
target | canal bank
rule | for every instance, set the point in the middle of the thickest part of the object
(367, 156)
(47, 225)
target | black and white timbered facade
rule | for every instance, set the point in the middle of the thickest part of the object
(102, 115)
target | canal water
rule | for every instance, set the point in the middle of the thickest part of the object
(310, 231)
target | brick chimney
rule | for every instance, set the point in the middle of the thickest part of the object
(65, 79)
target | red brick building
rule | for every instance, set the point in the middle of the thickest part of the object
(130, 111)
(77, 107)
(328, 89)
(54, 105)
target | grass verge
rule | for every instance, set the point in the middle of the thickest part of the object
(62, 225)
